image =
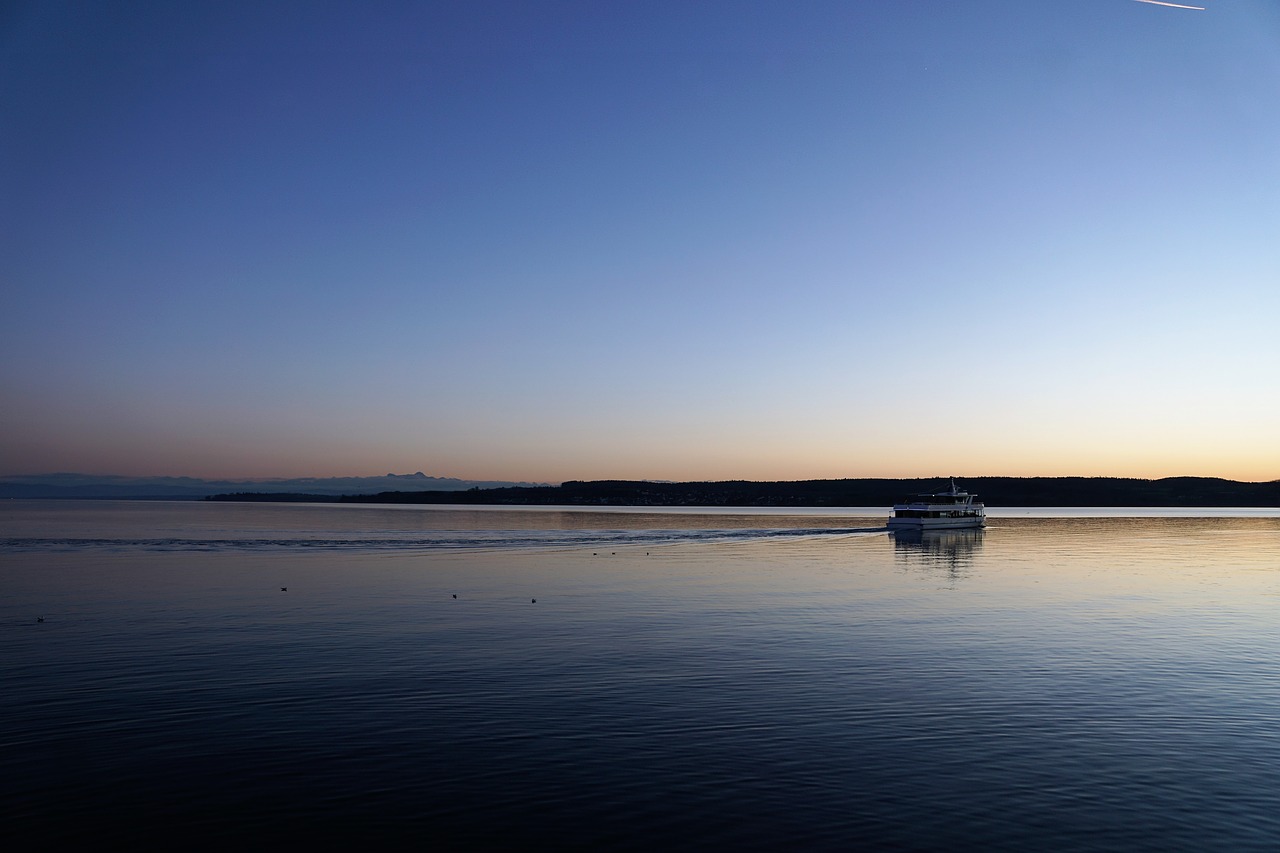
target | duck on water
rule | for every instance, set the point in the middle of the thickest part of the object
(938, 511)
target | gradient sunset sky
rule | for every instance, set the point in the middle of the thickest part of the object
(670, 240)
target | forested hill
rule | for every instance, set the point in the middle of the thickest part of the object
(994, 491)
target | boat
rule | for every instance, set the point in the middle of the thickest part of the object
(939, 511)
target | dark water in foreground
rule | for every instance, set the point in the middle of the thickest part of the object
(683, 681)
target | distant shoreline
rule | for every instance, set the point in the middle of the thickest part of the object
(994, 491)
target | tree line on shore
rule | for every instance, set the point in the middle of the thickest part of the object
(994, 491)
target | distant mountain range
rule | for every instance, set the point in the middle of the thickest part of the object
(191, 488)
(420, 488)
(995, 491)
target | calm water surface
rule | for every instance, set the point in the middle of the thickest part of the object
(743, 679)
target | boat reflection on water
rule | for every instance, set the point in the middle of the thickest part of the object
(949, 551)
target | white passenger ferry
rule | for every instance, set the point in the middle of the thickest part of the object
(938, 511)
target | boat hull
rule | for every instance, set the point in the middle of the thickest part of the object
(936, 523)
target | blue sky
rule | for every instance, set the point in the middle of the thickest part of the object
(676, 240)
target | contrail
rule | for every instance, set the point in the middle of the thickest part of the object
(1174, 5)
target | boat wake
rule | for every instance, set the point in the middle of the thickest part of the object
(464, 540)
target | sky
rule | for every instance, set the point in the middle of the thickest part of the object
(690, 240)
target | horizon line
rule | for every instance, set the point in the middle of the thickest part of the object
(554, 483)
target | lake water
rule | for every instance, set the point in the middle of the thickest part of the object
(686, 679)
